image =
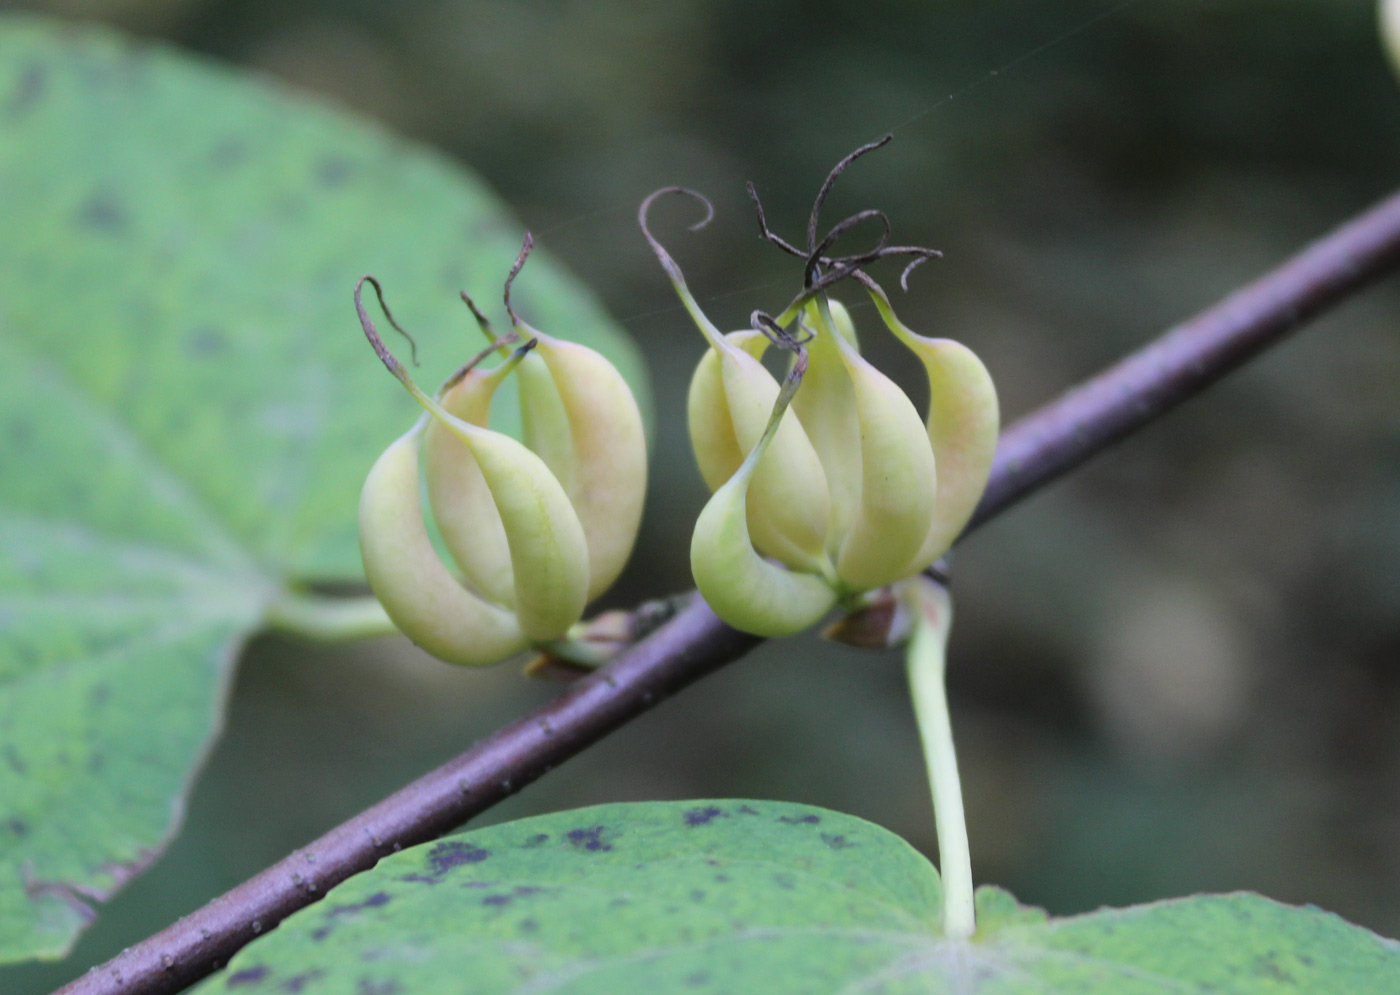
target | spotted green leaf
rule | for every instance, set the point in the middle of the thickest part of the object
(749, 896)
(187, 410)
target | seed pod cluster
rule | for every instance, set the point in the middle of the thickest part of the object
(832, 484)
(536, 529)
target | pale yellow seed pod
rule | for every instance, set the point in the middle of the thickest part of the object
(788, 501)
(462, 505)
(898, 480)
(419, 594)
(788, 506)
(543, 418)
(826, 407)
(743, 588)
(548, 550)
(712, 438)
(607, 443)
(962, 425)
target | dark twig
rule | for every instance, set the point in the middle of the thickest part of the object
(1190, 357)
(1033, 452)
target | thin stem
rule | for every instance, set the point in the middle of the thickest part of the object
(927, 659)
(694, 643)
(329, 619)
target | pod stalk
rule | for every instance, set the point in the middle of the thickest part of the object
(927, 660)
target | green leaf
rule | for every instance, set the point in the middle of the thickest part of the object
(748, 896)
(187, 411)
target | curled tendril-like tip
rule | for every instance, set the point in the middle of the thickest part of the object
(918, 260)
(767, 232)
(643, 211)
(386, 357)
(664, 257)
(526, 247)
(825, 190)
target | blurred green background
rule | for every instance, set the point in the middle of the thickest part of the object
(1177, 671)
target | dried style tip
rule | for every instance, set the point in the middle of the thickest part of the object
(841, 266)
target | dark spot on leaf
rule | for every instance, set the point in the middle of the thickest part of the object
(17, 827)
(454, 853)
(206, 340)
(100, 694)
(1305, 959)
(320, 934)
(703, 816)
(368, 986)
(785, 881)
(529, 926)
(697, 980)
(836, 842)
(13, 761)
(373, 902)
(539, 839)
(299, 981)
(747, 810)
(590, 839)
(503, 899)
(697, 895)
(103, 213)
(332, 171)
(796, 820)
(248, 976)
(721, 879)
(1268, 967)
(618, 903)
(32, 84)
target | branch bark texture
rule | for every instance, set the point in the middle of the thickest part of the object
(1031, 453)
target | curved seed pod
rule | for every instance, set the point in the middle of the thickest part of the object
(826, 407)
(547, 547)
(963, 421)
(707, 413)
(608, 452)
(462, 505)
(898, 480)
(548, 550)
(742, 588)
(419, 594)
(788, 504)
(544, 418)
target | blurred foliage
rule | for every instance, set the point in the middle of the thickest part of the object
(1178, 670)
